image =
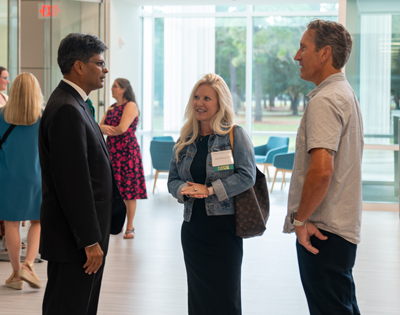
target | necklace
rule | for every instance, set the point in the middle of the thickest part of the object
(202, 137)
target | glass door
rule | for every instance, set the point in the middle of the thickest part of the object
(374, 71)
(72, 17)
(35, 30)
(11, 29)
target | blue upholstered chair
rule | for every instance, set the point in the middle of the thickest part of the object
(163, 138)
(265, 153)
(283, 163)
(161, 154)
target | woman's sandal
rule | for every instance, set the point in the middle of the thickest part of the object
(129, 234)
(16, 285)
(30, 276)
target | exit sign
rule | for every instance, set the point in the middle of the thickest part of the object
(47, 11)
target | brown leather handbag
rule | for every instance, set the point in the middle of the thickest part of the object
(251, 206)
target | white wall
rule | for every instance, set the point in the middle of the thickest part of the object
(125, 45)
(125, 61)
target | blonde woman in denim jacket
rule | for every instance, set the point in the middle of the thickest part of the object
(212, 251)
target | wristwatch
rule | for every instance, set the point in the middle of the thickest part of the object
(294, 221)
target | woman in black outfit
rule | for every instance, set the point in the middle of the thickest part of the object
(212, 251)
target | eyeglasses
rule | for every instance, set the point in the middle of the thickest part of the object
(101, 64)
(5, 78)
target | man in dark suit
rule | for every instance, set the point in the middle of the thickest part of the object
(79, 191)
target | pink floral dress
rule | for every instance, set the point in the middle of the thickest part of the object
(125, 157)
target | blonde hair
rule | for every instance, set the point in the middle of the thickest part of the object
(24, 102)
(219, 123)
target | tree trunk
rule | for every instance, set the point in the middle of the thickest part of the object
(271, 100)
(295, 100)
(258, 91)
(232, 72)
(304, 102)
(396, 99)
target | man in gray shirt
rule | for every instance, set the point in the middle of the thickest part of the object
(325, 198)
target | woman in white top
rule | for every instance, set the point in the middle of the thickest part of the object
(3, 85)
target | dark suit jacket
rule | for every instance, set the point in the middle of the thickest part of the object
(78, 186)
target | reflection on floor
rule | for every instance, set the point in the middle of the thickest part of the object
(146, 276)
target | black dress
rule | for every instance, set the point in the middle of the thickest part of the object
(213, 253)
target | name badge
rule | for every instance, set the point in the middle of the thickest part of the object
(222, 160)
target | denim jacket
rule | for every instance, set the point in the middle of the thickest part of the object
(226, 184)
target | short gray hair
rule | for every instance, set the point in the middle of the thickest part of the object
(335, 35)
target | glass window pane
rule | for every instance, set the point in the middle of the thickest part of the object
(375, 82)
(321, 7)
(395, 78)
(277, 87)
(158, 101)
(82, 17)
(230, 8)
(261, 140)
(13, 40)
(148, 74)
(147, 8)
(279, 94)
(173, 9)
(3, 33)
(230, 61)
(378, 174)
(189, 53)
(187, 48)
(373, 71)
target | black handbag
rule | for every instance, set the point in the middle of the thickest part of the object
(5, 136)
(251, 206)
(118, 215)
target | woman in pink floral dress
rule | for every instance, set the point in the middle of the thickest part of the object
(119, 124)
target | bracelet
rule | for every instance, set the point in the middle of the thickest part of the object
(210, 191)
(297, 222)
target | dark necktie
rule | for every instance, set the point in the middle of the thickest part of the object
(91, 107)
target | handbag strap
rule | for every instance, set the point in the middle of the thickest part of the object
(231, 136)
(3, 139)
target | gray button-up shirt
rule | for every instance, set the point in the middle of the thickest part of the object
(332, 120)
